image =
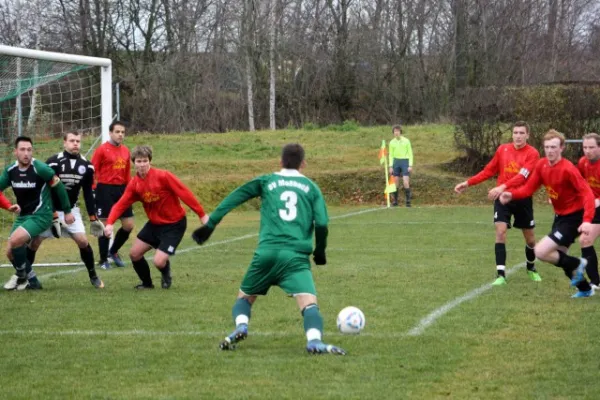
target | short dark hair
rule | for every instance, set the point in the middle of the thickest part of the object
(521, 124)
(22, 139)
(141, 151)
(71, 133)
(115, 123)
(399, 127)
(292, 156)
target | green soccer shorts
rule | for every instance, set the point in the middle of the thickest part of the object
(34, 224)
(287, 269)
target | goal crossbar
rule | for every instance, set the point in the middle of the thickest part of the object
(105, 65)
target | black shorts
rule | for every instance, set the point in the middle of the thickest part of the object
(166, 237)
(106, 197)
(522, 210)
(596, 219)
(564, 228)
(400, 167)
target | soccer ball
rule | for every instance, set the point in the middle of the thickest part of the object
(351, 320)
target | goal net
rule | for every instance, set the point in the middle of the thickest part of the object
(44, 95)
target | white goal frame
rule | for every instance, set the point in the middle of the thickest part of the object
(105, 65)
(106, 107)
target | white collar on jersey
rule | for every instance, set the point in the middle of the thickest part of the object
(289, 172)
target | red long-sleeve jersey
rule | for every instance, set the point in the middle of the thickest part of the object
(159, 192)
(512, 165)
(591, 173)
(564, 185)
(112, 165)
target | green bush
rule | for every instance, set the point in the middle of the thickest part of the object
(483, 117)
(347, 126)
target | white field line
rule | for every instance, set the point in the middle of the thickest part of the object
(143, 332)
(211, 244)
(432, 317)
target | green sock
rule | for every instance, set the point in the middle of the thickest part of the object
(313, 322)
(20, 261)
(241, 312)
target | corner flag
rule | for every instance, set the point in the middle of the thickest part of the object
(382, 153)
(391, 186)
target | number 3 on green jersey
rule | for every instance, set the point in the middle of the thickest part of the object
(290, 211)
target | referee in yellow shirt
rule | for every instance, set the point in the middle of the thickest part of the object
(400, 162)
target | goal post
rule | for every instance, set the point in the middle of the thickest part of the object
(43, 95)
(15, 85)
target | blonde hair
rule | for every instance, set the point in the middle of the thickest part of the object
(141, 151)
(554, 134)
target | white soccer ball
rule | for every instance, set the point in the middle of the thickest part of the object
(351, 320)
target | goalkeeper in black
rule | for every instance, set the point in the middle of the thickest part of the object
(76, 173)
(292, 209)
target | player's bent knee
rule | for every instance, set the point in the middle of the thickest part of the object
(304, 300)
(135, 256)
(127, 224)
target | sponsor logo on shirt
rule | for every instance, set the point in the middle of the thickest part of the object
(149, 197)
(23, 185)
(120, 164)
(512, 167)
(593, 182)
(553, 194)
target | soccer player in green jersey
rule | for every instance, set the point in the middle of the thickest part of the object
(292, 208)
(31, 181)
(401, 163)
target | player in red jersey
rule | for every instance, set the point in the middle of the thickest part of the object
(589, 167)
(573, 203)
(160, 192)
(512, 163)
(113, 172)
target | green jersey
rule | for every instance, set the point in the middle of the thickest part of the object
(31, 186)
(292, 206)
(400, 148)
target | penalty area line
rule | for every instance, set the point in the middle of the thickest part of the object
(432, 317)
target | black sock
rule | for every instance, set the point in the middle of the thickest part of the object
(120, 239)
(408, 195)
(103, 243)
(592, 267)
(166, 270)
(19, 261)
(567, 263)
(142, 269)
(530, 257)
(395, 195)
(87, 256)
(30, 255)
(500, 251)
